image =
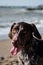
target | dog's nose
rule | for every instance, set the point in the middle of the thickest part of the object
(14, 39)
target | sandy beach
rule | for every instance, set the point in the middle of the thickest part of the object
(5, 46)
(5, 56)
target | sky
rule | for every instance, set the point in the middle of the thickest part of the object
(21, 2)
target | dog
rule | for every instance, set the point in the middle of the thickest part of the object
(27, 43)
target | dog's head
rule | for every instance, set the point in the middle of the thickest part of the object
(20, 34)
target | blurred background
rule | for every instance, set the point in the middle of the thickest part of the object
(30, 11)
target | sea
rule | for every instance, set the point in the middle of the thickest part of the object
(9, 15)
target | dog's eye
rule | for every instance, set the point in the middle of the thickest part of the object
(14, 31)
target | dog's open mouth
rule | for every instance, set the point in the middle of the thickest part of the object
(14, 50)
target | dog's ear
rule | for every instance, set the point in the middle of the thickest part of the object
(10, 33)
(35, 31)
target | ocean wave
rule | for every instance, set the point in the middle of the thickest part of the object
(5, 24)
(10, 15)
(4, 31)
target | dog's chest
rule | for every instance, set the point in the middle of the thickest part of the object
(23, 58)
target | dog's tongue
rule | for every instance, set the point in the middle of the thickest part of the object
(13, 50)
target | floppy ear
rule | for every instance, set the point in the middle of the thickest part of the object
(10, 33)
(35, 31)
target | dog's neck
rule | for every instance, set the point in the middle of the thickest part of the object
(27, 47)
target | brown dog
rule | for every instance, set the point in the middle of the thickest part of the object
(23, 42)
